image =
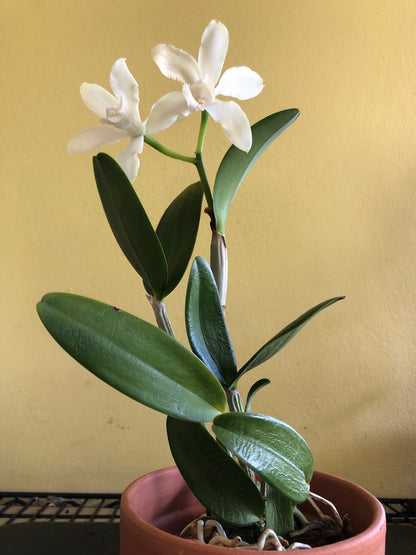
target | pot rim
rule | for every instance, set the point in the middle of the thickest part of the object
(377, 522)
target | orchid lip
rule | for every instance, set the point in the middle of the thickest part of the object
(202, 92)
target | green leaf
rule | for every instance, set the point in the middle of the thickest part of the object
(130, 224)
(237, 163)
(253, 390)
(219, 483)
(276, 343)
(274, 450)
(205, 323)
(133, 356)
(279, 512)
(177, 231)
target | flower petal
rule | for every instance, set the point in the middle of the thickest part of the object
(122, 81)
(175, 63)
(165, 112)
(92, 138)
(97, 99)
(234, 122)
(126, 90)
(213, 50)
(128, 159)
(240, 82)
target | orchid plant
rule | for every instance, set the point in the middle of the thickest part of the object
(255, 469)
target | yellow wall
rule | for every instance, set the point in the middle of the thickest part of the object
(329, 210)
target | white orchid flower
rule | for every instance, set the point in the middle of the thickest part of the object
(119, 112)
(201, 86)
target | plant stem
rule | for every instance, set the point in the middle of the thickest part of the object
(161, 315)
(167, 151)
(199, 161)
(204, 180)
(234, 400)
(219, 264)
(202, 131)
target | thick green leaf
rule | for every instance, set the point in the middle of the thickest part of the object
(130, 224)
(253, 390)
(133, 356)
(274, 450)
(219, 483)
(237, 163)
(177, 231)
(279, 512)
(205, 323)
(277, 342)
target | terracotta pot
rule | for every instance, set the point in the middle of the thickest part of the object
(157, 506)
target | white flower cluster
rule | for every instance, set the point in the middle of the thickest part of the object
(202, 84)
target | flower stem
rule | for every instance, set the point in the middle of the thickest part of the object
(204, 180)
(161, 315)
(167, 151)
(202, 131)
(199, 161)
